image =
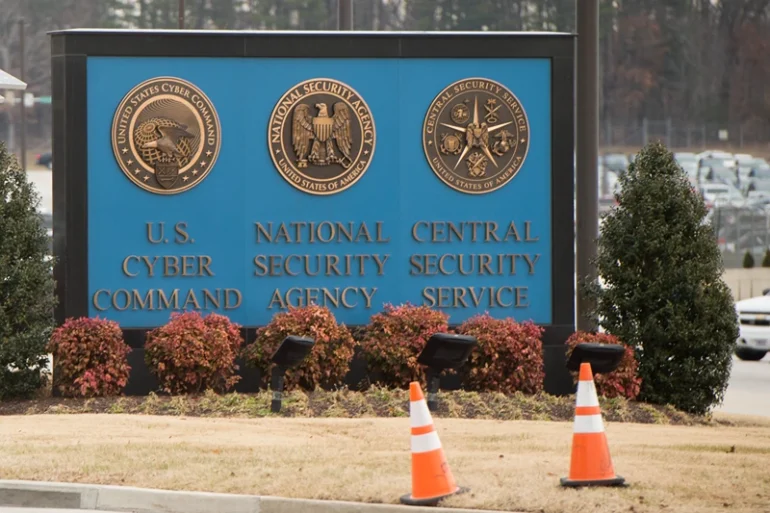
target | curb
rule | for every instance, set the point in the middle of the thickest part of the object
(144, 500)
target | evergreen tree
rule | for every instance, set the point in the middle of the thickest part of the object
(748, 260)
(664, 294)
(766, 259)
(26, 287)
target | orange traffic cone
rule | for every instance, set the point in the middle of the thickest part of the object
(431, 478)
(591, 464)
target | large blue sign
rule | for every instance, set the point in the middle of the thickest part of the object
(246, 186)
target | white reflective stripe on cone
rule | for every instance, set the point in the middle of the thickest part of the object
(588, 424)
(419, 414)
(586, 394)
(426, 443)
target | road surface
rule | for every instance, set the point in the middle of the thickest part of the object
(749, 389)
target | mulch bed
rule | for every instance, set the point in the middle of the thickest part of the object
(374, 402)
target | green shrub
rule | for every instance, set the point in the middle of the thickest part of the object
(192, 354)
(395, 338)
(623, 381)
(90, 357)
(328, 361)
(663, 291)
(26, 288)
(748, 260)
(766, 259)
(508, 357)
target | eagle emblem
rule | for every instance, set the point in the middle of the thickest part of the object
(314, 137)
(321, 136)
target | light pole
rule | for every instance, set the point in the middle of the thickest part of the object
(180, 15)
(344, 14)
(22, 76)
(587, 151)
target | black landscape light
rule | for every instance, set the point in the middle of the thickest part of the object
(292, 351)
(603, 358)
(443, 351)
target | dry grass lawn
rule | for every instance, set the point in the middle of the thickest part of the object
(509, 465)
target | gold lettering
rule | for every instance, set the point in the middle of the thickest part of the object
(229, 304)
(126, 303)
(512, 232)
(97, 304)
(464, 297)
(142, 303)
(168, 301)
(437, 232)
(527, 232)
(276, 298)
(209, 298)
(125, 266)
(531, 262)
(414, 230)
(191, 299)
(521, 296)
(490, 232)
(498, 297)
(344, 296)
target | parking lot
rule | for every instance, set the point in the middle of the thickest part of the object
(749, 390)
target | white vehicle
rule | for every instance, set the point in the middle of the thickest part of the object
(719, 194)
(683, 157)
(754, 317)
(744, 159)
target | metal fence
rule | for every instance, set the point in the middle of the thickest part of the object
(684, 135)
(741, 229)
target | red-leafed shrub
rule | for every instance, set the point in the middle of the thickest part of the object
(90, 357)
(622, 382)
(191, 353)
(328, 361)
(395, 338)
(508, 358)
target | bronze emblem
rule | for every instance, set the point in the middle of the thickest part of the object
(321, 136)
(166, 135)
(476, 135)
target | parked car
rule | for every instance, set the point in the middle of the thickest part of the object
(717, 194)
(45, 159)
(743, 159)
(712, 154)
(755, 177)
(685, 157)
(616, 162)
(754, 317)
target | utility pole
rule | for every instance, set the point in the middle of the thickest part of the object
(23, 78)
(344, 14)
(587, 151)
(180, 15)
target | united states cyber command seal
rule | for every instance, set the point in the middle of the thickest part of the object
(321, 136)
(166, 135)
(476, 135)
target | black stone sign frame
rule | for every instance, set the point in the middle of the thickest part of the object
(71, 48)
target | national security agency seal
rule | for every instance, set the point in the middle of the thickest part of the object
(476, 135)
(321, 136)
(166, 135)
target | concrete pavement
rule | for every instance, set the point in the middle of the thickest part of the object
(108, 498)
(749, 389)
(47, 510)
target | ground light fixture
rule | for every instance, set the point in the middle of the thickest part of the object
(603, 358)
(443, 351)
(292, 351)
